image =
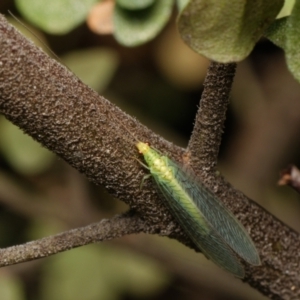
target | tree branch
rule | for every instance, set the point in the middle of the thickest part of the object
(54, 107)
(277, 243)
(206, 137)
(106, 229)
(49, 103)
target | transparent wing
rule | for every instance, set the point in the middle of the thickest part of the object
(199, 230)
(220, 218)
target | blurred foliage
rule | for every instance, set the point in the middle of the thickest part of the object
(94, 66)
(134, 27)
(24, 154)
(135, 4)
(56, 16)
(11, 288)
(103, 272)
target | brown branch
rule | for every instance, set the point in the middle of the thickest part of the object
(206, 137)
(53, 106)
(277, 243)
(106, 229)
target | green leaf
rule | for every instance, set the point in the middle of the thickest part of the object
(134, 4)
(135, 27)
(56, 16)
(292, 49)
(285, 34)
(23, 153)
(94, 66)
(276, 32)
(226, 31)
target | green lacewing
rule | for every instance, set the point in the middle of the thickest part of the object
(203, 217)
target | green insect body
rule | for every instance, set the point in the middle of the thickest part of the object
(207, 222)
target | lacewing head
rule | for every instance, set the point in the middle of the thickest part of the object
(142, 147)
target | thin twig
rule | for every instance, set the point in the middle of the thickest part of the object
(206, 137)
(104, 230)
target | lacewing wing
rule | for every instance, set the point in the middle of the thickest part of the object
(203, 217)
